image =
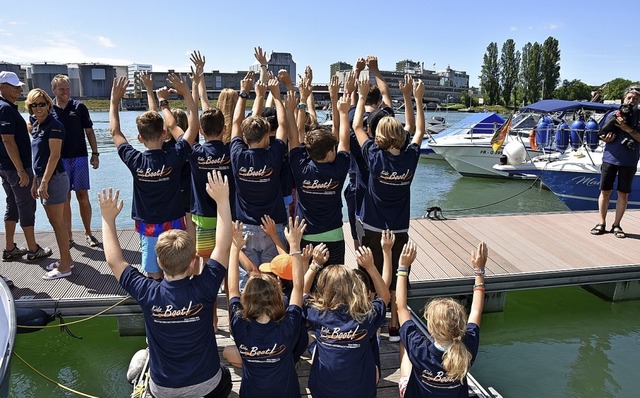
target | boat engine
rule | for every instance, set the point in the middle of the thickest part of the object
(515, 153)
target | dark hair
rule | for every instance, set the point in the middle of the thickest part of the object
(150, 125)
(254, 128)
(212, 122)
(374, 96)
(271, 115)
(319, 142)
(374, 118)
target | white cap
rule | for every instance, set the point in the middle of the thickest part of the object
(10, 78)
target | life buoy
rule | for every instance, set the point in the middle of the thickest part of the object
(532, 140)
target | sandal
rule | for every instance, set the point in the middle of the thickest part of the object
(599, 229)
(618, 232)
(55, 274)
(54, 265)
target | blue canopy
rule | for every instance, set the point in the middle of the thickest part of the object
(555, 105)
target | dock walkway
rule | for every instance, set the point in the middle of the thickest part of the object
(525, 252)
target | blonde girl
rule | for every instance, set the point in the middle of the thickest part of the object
(264, 331)
(343, 320)
(437, 365)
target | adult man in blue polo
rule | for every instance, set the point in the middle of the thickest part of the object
(74, 115)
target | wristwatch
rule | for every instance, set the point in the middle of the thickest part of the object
(163, 103)
(244, 95)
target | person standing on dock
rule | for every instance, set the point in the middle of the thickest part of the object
(75, 118)
(16, 173)
(621, 133)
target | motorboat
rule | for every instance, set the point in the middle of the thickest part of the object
(573, 176)
(476, 124)
(534, 127)
(7, 336)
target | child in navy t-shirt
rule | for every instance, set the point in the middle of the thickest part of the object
(343, 321)
(436, 364)
(264, 332)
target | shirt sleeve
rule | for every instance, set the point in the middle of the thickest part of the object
(85, 118)
(136, 284)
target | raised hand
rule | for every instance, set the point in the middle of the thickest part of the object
(364, 85)
(260, 89)
(147, 80)
(239, 238)
(321, 254)
(119, 88)
(162, 93)
(360, 64)
(387, 240)
(197, 59)
(364, 257)
(217, 186)
(334, 86)
(372, 63)
(268, 225)
(178, 84)
(408, 255)
(479, 256)
(247, 82)
(261, 56)
(418, 88)
(406, 85)
(305, 90)
(291, 100)
(110, 207)
(274, 87)
(294, 231)
(285, 78)
(350, 82)
(344, 103)
(307, 253)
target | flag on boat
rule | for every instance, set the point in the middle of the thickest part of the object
(499, 136)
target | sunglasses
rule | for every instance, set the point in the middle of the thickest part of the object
(38, 105)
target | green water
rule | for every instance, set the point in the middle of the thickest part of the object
(561, 342)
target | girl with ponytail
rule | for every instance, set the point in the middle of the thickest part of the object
(437, 364)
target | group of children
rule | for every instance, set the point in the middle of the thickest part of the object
(342, 306)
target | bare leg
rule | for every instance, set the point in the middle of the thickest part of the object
(603, 205)
(30, 237)
(85, 210)
(67, 216)
(10, 232)
(621, 206)
(55, 213)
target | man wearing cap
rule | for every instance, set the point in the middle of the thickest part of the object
(16, 173)
(621, 132)
(74, 115)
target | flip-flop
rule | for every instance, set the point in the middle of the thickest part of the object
(55, 274)
(54, 265)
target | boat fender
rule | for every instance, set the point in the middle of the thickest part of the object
(577, 133)
(516, 152)
(33, 317)
(137, 365)
(532, 140)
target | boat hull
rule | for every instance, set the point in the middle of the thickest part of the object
(7, 336)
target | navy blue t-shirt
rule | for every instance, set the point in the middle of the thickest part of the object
(179, 319)
(210, 156)
(75, 118)
(12, 123)
(51, 128)
(318, 186)
(344, 365)
(428, 377)
(257, 175)
(617, 153)
(156, 181)
(268, 369)
(388, 198)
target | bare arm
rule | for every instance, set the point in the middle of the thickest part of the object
(55, 146)
(363, 90)
(387, 241)
(238, 113)
(261, 57)
(372, 63)
(404, 266)
(478, 261)
(11, 147)
(233, 274)
(274, 88)
(198, 61)
(258, 104)
(192, 111)
(344, 140)
(110, 207)
(308, 80)
(269, 228)
(93, 143)
(418, 93)
(293, 129)
(364, 258)
(117, 92)
(409, 117)
(218, 190)
(294, 236)
(334, 90)
(320, 257)
(351, 87)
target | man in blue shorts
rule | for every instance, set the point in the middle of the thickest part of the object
(74, 115)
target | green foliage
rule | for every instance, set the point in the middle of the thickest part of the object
(509, 69)
(531, 77)
(490, 75)
(614, 90)
(574, 90)
(550, 67)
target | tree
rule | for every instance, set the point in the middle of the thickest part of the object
(490, 75)
(509, 68)
(550, 66)
(574, 90)
(614, 90)
(531, 76)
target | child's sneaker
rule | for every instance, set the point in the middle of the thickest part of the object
(8, 255)
(394, 335)
(39, 253)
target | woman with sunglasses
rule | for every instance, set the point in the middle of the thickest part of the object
(51, 184)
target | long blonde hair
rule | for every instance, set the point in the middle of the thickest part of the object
(339, 286)
(227, 104)
(447, 323)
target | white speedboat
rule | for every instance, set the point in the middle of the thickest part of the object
(534, 127)
(7, 336)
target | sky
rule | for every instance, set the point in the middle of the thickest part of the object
(595, 42)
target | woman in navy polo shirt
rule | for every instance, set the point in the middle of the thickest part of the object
(51, 184)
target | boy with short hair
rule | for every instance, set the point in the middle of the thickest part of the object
(178, 310)
(157, 200)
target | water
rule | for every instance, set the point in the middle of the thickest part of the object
(561, 342)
